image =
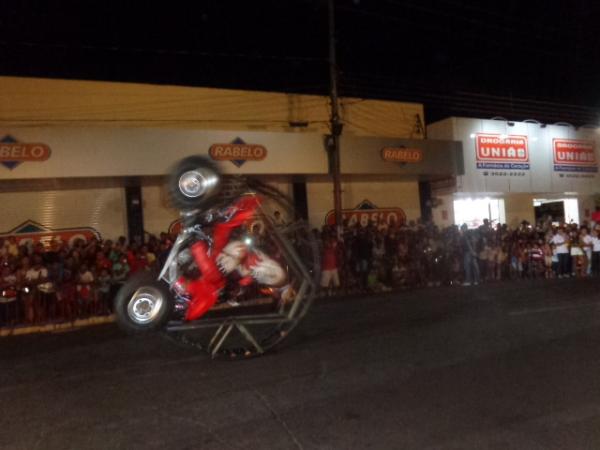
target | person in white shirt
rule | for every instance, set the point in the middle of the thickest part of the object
(34, 275)
(587, 244)
(561, 245)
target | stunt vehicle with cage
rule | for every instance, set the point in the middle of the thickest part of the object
(235, 282)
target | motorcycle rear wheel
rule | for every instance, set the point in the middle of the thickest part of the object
(194, 183)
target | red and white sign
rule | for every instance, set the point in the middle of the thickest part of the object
(497, 151)
(33, 232)
(367, 212)
(572, 155)
(24, 152)
(238, 152)
(13, 153)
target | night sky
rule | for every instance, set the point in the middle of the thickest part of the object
(517, 59)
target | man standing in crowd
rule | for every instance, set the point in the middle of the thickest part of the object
(561, 246)
(468, 243)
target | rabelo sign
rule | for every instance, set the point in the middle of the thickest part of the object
(238, 152)
(13, 152)
(402, 155)
(366, 212)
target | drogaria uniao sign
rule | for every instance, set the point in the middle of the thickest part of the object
(572, 155)
(497, 151)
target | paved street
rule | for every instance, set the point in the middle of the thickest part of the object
(498, 366)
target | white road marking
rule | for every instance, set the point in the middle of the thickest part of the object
(523, 312)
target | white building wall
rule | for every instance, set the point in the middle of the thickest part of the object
(102, 209)
(158, 215)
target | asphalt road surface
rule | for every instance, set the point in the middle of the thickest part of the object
(498, 366)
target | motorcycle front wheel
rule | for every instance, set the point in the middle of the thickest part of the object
(143, 304)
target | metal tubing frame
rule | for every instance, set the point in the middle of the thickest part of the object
(225, 325)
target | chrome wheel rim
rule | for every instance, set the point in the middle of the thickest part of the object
(193, 184)
(145, 305)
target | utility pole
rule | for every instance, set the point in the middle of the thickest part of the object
(333, 143)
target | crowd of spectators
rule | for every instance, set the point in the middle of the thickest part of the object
(57, 281)
(379, 258)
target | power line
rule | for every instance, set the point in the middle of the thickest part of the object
(489, 107)
(414, 87)
(554, 48)
(177, 52)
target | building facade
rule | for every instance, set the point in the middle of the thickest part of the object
(88, 157)
(517, 171)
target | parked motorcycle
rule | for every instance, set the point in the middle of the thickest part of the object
(235, 282)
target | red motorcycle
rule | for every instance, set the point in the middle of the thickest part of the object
(235, 281)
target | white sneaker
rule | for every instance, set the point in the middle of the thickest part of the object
(466, 283)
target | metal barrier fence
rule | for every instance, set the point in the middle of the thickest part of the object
(46, 304)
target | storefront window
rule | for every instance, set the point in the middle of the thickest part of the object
(472, 211)
(557, 210)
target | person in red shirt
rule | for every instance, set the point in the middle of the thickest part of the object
(102, 262)
(142, 261)
(132, 258)
(330, 278)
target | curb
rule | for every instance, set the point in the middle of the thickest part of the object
(56, 327)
